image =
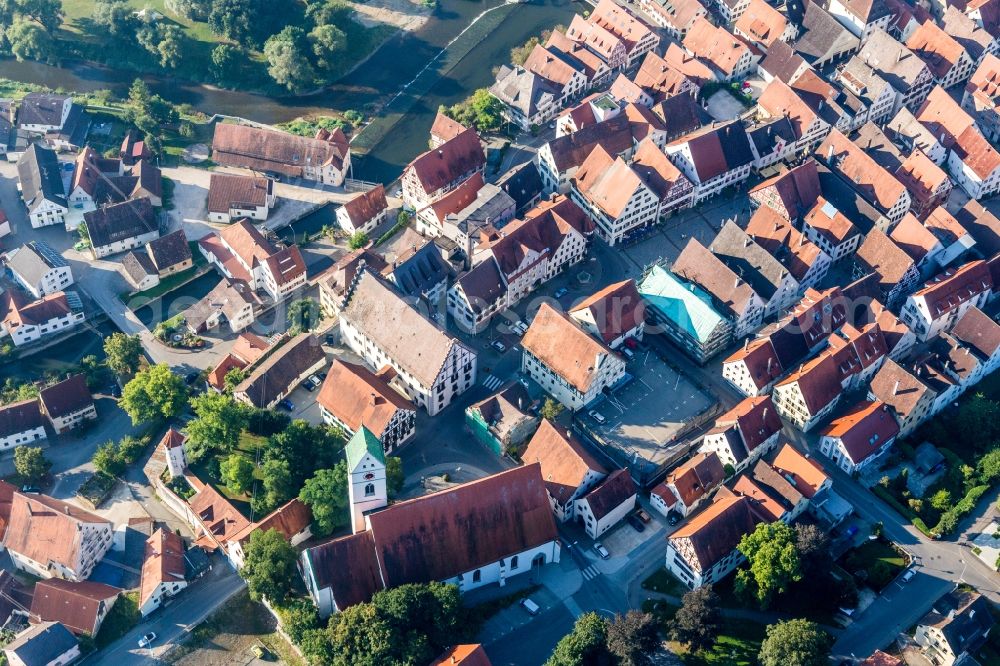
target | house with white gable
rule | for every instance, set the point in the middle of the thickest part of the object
(946, 298)
(744, 433)
(567, 362)
(607, 504)
(241, 252)
(569, 469)
(860, 437)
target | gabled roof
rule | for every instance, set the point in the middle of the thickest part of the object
(407, 337)
(543, 230)
(978, 331)
(717, 530)
(467, 655)
(270, 150)
(610, 493)
(762, 22)
(696, 478)
(290, 519)
(222, 520)
(715, 45)
(445, 164)
(982, 225)
(801, 471)
(281, 369)
(920, 176)
(163, 562)
(894, 62)
(443, 129)
(782, 62)
(78, 606)
(818, 381)
(38, 175)
(226, 191)
(67, 397)
(863, 429)
(570, 150)
(42, 644)
(717, 150)
(936, 47)
(367, 205)
(361, 443)
(874, 183)
(360, 398)
(748, 260)
(779, 100)
(169, 250)
(121, 221)
(772, 494)
(564, 460)
(797, 188)
(754, 418)
(879, 253)
(607, 182)
(565, 348)
(697, 264)
(616, 309)
(823, 37)
(947, 290)
(784, 242)
(914, 238)
(47, 530)
(761, 360)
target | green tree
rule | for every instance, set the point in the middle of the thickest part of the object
(583, 646)
(328, 44)
(237, 473)
(551, 409)
(153, 393)
(225, 60)
(409, 624)
(358, 240)
(978, 421)
(287, 62)
(633, 638)
(307, 448)
(234, 19)
(941, 500)
(123, 352)
(480, 110)
(279, 487)
(29, 41)
(31, 464)
(813, 545)
(298, 616)
(130, 448)
(48, 13)
(326, 495)
(233, 379)
(394, 476)
(196, 10)
(698, 621)
(108, 459)
(303, 315)
(989, 467)
(217, 425)
(170, 46)
(114, 17)
(795, 643)
(269, 566)
(774, 561)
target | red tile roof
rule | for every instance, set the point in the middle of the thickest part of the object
(467, 655)
(564, 460)
(77, 605)
(696, 477)
(947, 290)
(863, 429)
(67, 397)
(610, 493)
(358, 397)
(566, 348)
(46, 530)
(163, 562)
(459, 155)
(616, 309)
(805, 473)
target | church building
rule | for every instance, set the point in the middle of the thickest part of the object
(475, 534)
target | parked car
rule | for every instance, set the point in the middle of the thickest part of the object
(560, 292)
(308, 385)
(643, 516)
(597, 416)
(499, 346)
(316, 381)
(907, 575)
(636, 524)
(147, 639)
(530, 606)
(329, 339)
(520, 327)
(673, 518)
(601, 550)
(287, 405)
(523, 381)
(33, 490)
(191, 377)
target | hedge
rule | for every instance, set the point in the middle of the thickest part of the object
(903, 510)
(949, 519)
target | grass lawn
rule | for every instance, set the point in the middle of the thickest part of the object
(662, 581)
(235, 628)
(738, 645)
(167, 284)
(122, 617)
(879, 558)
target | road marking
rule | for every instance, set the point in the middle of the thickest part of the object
(591, 572)
(492, 382)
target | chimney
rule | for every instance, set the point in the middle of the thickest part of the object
(746, 343)
(769, 359)
(374, 399)
(763, 416)
(829, 153)
(895, 388)
(440, 153)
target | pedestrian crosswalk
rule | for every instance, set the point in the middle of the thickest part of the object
(492, 382)
(591, 572)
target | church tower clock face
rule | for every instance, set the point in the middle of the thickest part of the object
(369, 476)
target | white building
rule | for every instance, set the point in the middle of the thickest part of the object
(232, 196)
(569, 470)
(607, 504)
(21, 423)
(163, 570)
(241, 252)
(121, 227)
(860, 437)
(41, 186)
(946, 298)
(472, 535)
(39, 269)
(29, 321)
(384, 329)
(566, 361)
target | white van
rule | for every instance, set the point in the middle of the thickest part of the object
(530, 606)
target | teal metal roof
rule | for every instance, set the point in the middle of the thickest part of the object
(364, 441)
(685, 304)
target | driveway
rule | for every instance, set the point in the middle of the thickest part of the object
(173, 622)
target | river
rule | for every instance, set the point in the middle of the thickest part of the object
(381, 77)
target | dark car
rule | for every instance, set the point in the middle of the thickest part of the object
(673, 518)
(636, 523)
(287, 405)
(115, 390)
(329, 339)
(191, 377)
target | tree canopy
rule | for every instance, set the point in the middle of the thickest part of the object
(269, 566)
(326, 495)
(31, 464)
(409, 624)
(797, 642)
(153, 393)
(698, 620)
(633, 638)
(123, 352)
(773, 562)
(237, 473)
(585, 645)
(217, 425)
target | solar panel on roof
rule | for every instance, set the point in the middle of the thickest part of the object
(829, 209)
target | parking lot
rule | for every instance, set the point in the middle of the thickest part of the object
(647, 413)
